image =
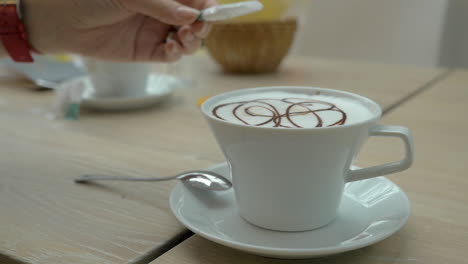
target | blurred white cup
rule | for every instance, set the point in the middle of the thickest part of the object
(118, 79)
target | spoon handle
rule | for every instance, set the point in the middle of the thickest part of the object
(89, 178)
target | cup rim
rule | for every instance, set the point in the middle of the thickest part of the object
(375, 108)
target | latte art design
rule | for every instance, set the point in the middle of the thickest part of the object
(284, 113)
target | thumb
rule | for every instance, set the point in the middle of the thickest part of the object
(167, 11)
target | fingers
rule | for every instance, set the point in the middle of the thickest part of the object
(189, 41)
(184, 42)
(201, 29)
(173, 51)
(210, 3)
(167, 11)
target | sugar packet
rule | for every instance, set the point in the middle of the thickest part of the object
(227, 11)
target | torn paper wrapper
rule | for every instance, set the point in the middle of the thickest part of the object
(67, 102)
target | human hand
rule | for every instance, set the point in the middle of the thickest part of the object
(123, 30)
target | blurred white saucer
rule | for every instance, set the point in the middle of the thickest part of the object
(159, 88)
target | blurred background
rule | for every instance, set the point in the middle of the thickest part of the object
(418, 32)
(425, 33)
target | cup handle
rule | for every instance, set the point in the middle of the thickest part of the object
(387, 131)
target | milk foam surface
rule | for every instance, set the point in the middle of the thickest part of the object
(290, 110)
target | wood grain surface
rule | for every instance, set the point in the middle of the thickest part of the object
(46, 218)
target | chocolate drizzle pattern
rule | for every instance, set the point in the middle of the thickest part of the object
(287, 117)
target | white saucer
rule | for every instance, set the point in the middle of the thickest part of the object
(160, 87)
(371, 211)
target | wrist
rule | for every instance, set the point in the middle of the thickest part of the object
(3, 52)
(26, 6)
(37, 17)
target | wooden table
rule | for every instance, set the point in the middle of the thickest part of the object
(46, 218)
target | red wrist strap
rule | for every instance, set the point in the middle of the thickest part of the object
(13, 33)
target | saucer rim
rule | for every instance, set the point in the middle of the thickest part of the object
(292, 252)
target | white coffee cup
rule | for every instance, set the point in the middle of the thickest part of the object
(292, 179)
(118, 79)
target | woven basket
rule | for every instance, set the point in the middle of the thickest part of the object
(256, 47)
